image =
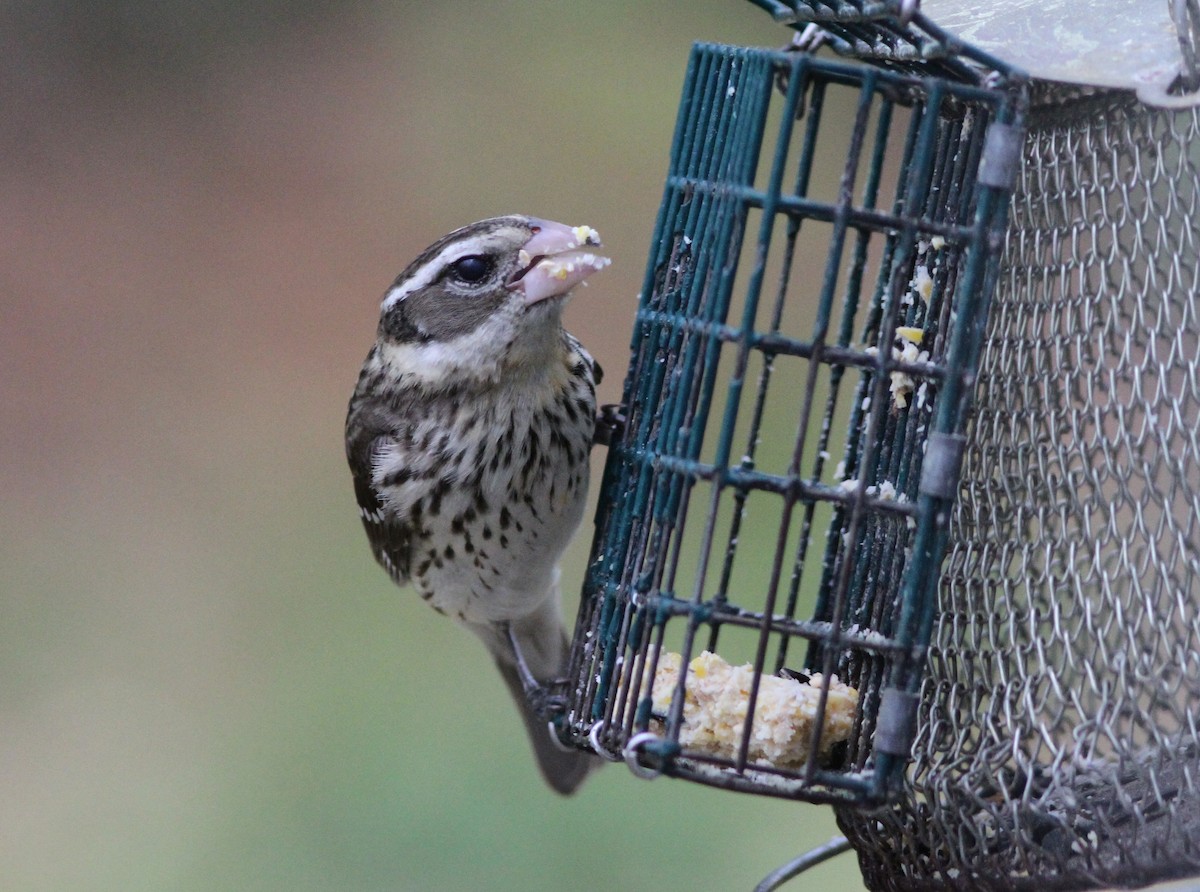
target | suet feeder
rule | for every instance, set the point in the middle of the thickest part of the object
(802, 365)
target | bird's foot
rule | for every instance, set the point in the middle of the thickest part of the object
(544, 697)
(610, 424)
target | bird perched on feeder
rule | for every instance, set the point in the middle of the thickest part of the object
(468, 438)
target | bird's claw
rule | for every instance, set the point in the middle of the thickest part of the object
(610, 424)
(543, 697)
(546, 702)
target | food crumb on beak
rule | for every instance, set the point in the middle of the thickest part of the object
(553, 261)
(560, 269)
(585, 235)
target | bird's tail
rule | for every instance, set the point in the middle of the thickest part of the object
(564, 770)
(543, 643)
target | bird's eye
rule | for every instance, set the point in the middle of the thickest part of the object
(471, 269)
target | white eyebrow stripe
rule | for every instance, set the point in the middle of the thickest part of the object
(432, 268)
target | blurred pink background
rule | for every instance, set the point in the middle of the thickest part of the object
(207, 683)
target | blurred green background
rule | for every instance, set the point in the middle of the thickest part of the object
(207, 683)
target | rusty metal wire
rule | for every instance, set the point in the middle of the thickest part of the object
(1059, 733)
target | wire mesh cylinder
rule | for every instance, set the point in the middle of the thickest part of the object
(802, 361)
(1059, 729)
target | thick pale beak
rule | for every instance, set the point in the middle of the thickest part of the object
(556, 259)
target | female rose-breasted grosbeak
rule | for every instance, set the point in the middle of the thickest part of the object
(468, 437)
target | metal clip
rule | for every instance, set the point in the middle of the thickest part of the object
(1001, 156)
(594, 735)
(896, 725)
(636, 742)
(942, 465)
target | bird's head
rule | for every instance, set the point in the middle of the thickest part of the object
(485, 299)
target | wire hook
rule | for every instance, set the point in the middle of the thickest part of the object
(811, 858)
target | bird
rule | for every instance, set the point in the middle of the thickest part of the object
(468, 437)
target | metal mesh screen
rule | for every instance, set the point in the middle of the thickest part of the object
(1059, 729)
(779, 495)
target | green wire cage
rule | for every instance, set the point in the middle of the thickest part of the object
(803, 361)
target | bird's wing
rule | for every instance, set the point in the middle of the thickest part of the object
(390, 537)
